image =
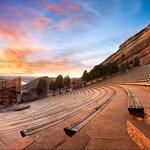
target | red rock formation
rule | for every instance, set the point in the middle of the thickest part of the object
(136, 46)
(9, 90)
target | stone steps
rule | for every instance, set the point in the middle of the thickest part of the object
(139, 130)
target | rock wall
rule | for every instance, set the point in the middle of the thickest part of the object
(136, 46)
(138, 137)
(10, 91)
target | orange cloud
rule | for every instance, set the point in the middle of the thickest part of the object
(15, 62)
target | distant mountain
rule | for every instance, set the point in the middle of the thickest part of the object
(24, 79)
(33, 83)
(136, 46)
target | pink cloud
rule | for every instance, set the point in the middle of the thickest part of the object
(41, 22)
(72, 23)
(74, 7)
(55, 8)
(62, 8)
(10, 33)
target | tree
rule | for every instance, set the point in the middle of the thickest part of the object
(67, 81)
(136, 62)
(52, 85)
(110, 68)
(85, 76)
(41, 87)
(100, 71)
(59, 82)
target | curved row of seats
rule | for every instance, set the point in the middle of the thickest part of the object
(75, 110)
(57, 107)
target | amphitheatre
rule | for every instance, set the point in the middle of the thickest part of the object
(113, 113)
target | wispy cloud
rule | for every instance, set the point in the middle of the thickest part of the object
(72, 6)
(52, 7)
(11, 33)
(41, 23)
(71, 23)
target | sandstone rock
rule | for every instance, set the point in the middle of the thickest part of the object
(136, 46)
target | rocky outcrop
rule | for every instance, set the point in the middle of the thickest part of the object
(136, 46)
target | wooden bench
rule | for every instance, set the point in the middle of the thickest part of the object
(134, 105)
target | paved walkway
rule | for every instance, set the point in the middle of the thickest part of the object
(109, 129)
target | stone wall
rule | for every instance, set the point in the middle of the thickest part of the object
(137, 136)
(147, 114)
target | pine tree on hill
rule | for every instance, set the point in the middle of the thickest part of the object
(59, 82)
(67, 81)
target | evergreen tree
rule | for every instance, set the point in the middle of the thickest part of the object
(67, 81)
(41, 87)
(99, 71)
(85, 76)
(59, 82)
(52, 85)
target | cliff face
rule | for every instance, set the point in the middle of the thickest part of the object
(136, 46)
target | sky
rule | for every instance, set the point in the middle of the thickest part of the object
(51, 37)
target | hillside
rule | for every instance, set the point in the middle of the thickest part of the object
(136, 46)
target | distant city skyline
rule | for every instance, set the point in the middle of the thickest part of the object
(51, 37)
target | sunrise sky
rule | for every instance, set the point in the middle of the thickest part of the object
(48, 37)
